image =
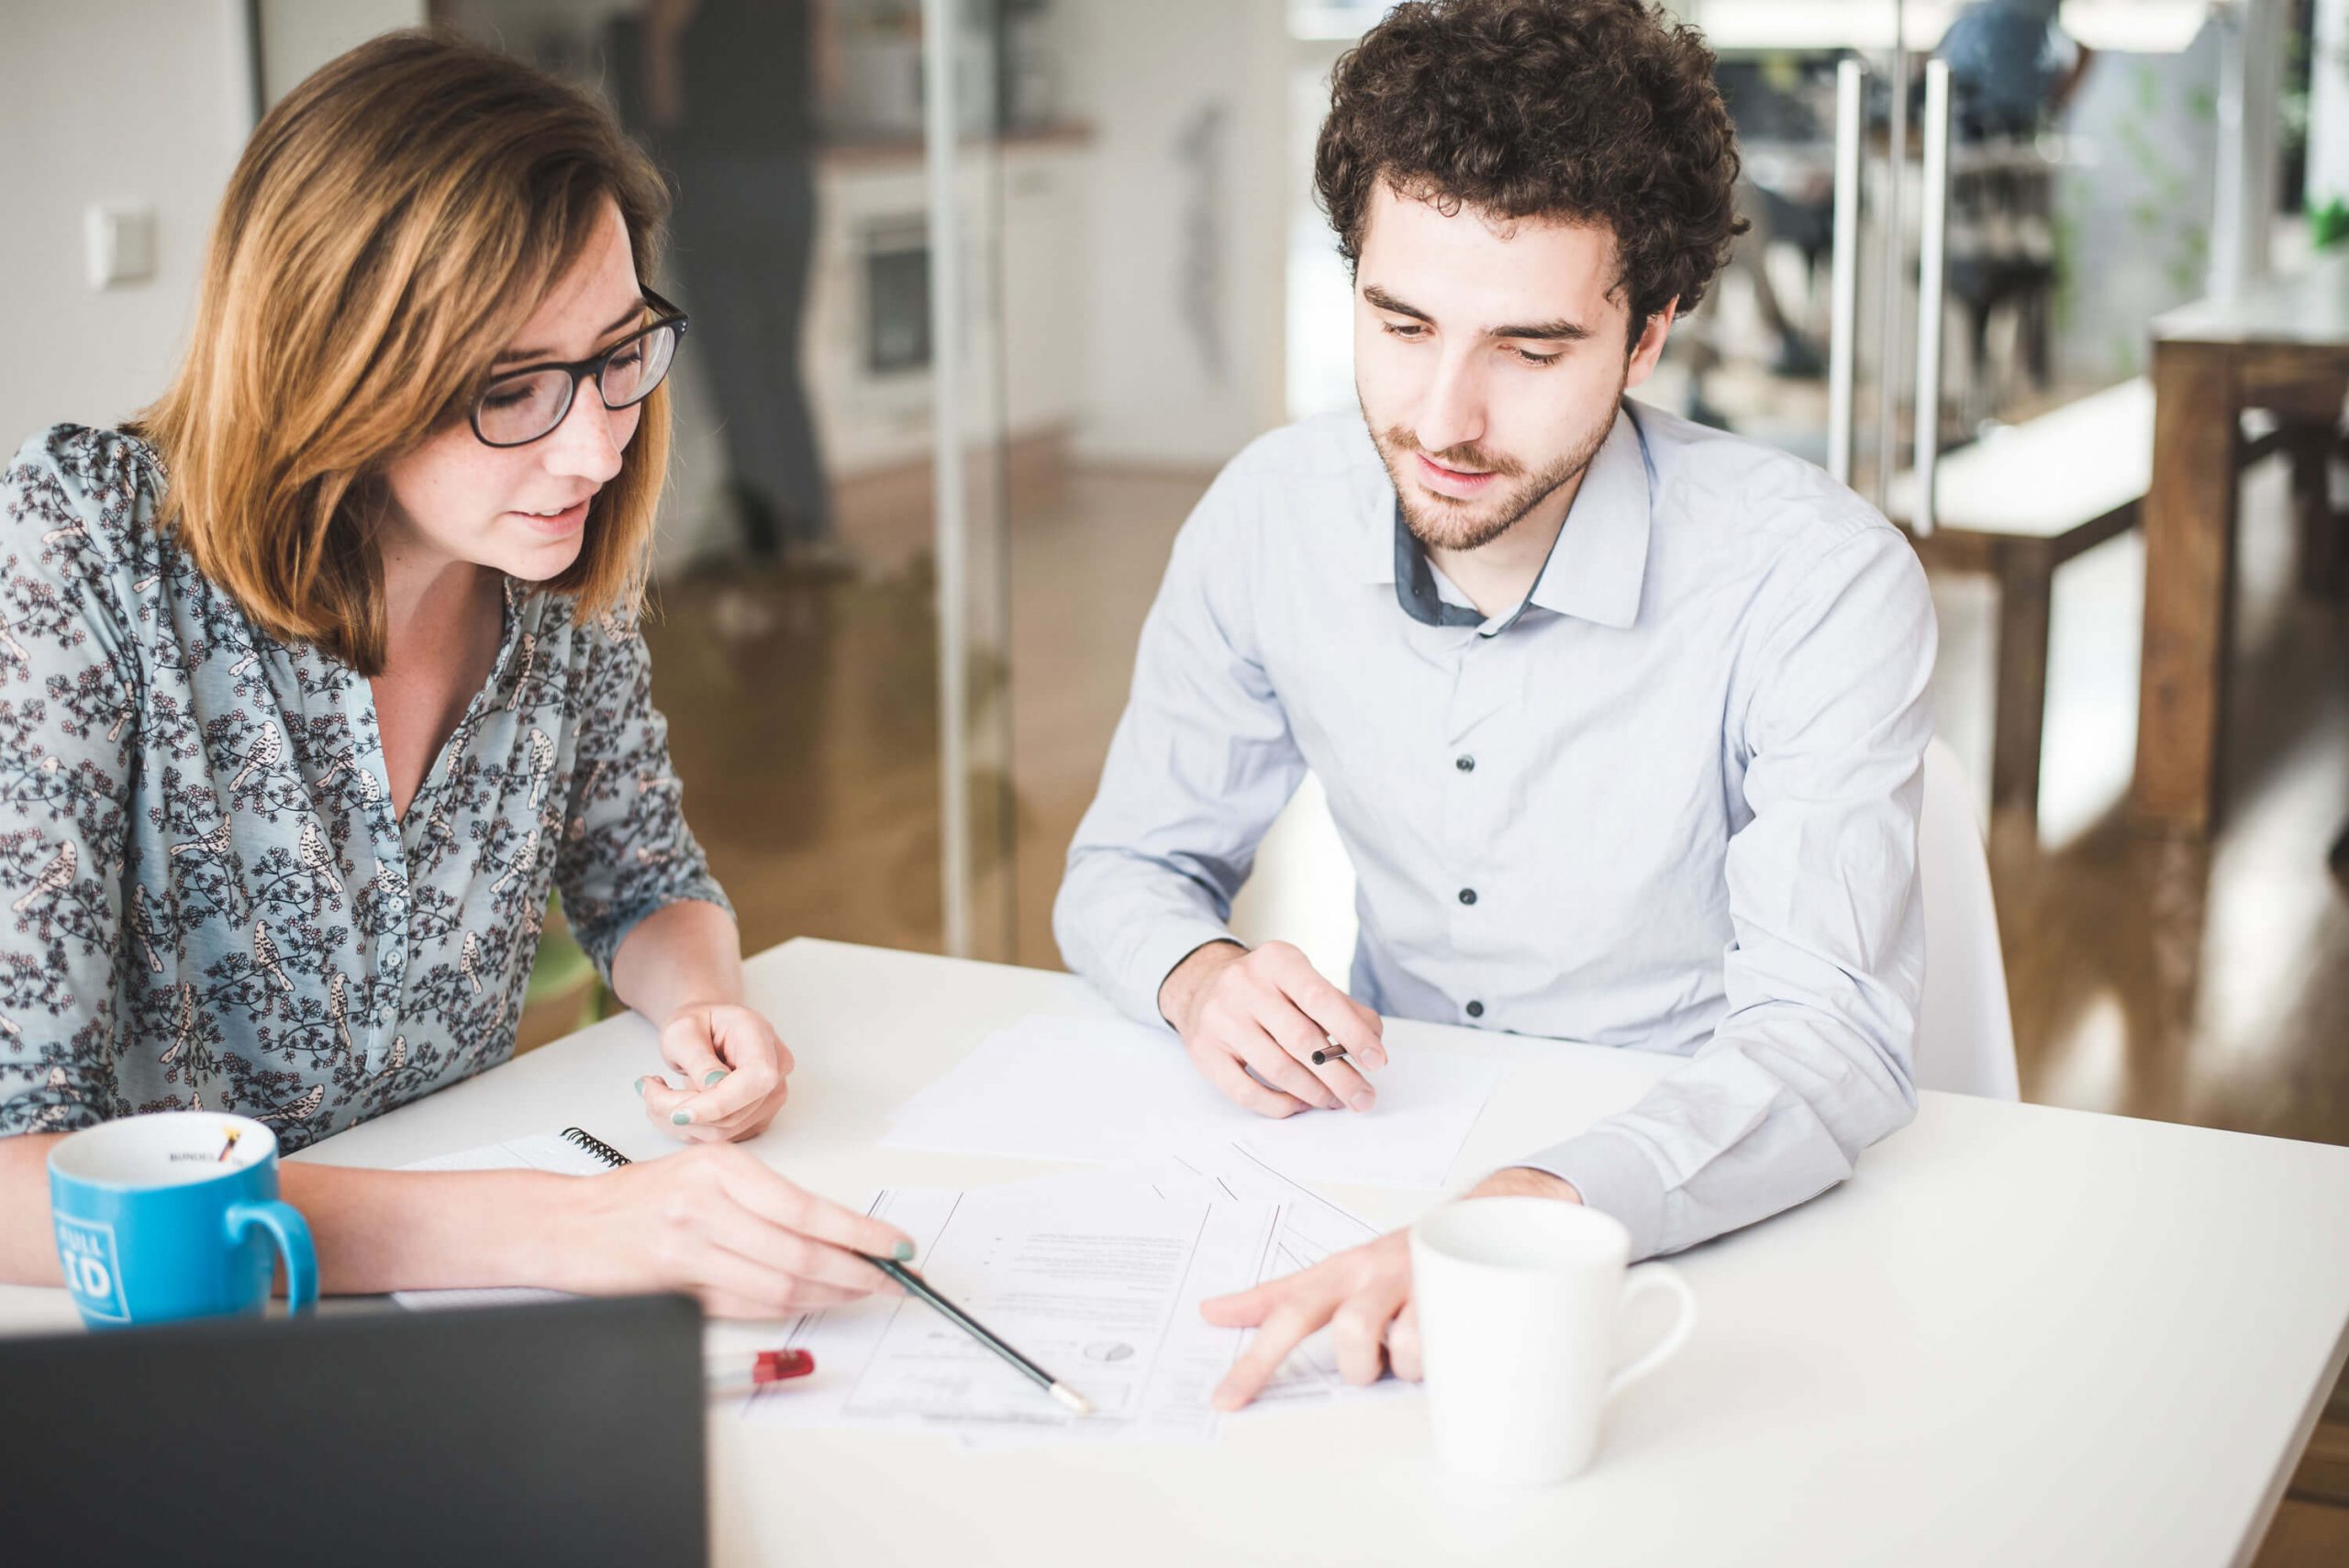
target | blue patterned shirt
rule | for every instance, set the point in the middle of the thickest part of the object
(206, 899)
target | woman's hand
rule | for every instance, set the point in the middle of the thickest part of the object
(734, 1068)
(717, 1223)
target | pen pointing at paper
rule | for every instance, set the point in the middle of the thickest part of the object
(915, 1286)
(884, 1247)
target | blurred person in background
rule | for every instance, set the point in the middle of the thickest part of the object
(2011, 68)
(2012, 73)
(728, 90)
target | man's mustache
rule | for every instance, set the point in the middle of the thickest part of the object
(1467, 459)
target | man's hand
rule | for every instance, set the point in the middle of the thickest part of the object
(736, 1072)
(1364, 1293)
(1267, 1009)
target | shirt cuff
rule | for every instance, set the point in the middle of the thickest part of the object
(1616, 1178)
(1156, 958)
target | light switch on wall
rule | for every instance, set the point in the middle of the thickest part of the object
(120, 240)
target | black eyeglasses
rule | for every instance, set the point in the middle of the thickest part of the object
(524, 405)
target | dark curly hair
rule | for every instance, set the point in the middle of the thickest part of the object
(1595, 111)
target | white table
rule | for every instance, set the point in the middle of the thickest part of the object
(2019, 1334)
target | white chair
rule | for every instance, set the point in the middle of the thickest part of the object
(1966, 1036)
(1303, 891)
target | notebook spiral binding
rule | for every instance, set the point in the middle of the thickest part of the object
(595, 1146)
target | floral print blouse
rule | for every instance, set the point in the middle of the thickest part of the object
(206, 899)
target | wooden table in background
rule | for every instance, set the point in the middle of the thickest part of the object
(2212, 360)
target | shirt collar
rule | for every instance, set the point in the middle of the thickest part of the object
(1595, 570)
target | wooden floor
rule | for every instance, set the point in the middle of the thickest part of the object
(2203, 984)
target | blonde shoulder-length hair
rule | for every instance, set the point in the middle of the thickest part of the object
(394, 221)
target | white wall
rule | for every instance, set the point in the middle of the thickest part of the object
(1142, 74)
(140, 102)
(134, 101)
(299, 35)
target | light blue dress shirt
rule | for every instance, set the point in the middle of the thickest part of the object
(1669, 803)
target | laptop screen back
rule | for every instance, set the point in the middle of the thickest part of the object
(568, 1433)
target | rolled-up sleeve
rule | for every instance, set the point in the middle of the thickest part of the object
(1811, 1064)
(627, 851)
(67, 738)
(1201, 764)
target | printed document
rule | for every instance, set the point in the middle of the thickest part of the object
(1101, 1287)
(1311, 1227)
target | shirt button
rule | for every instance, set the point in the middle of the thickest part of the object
(1475, 1009)
(1468, 895)
(1465, 762)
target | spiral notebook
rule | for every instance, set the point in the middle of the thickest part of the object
(574, 1151)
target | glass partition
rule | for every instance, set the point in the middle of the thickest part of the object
(829, 627)
(992, 287)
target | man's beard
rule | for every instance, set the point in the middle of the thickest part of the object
(1439, 522)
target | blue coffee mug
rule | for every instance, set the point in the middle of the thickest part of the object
(174, 1216)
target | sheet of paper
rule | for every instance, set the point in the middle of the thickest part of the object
(1089, 1089)
(538, 1151)
(1311, 1228)
(1098, 1285)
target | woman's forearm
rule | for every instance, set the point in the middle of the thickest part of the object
(374, 1230)
(685, 954)
(27, 1246)
(379, 1230)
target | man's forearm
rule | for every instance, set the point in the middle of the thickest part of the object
(1524, 1181)
(1727, 1139)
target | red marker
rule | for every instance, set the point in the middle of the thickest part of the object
(767, 1367)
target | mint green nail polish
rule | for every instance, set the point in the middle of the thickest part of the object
(639, 1088)
(681, 1118)
(714, 1075)
(903, 1251)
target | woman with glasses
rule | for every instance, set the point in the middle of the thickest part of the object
(318, 678)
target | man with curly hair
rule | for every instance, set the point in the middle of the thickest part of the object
(1621, 719)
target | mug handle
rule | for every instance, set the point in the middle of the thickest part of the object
(1646, 1280)
(291, 1233)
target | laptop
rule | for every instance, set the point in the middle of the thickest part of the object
(566, 1433)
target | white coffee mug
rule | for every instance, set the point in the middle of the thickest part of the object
(1518, 1303)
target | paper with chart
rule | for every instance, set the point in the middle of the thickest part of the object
(1100, 1286)
(1311, 1228)
(1103, 1090)
(538, 1151)
(1079, 1261)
